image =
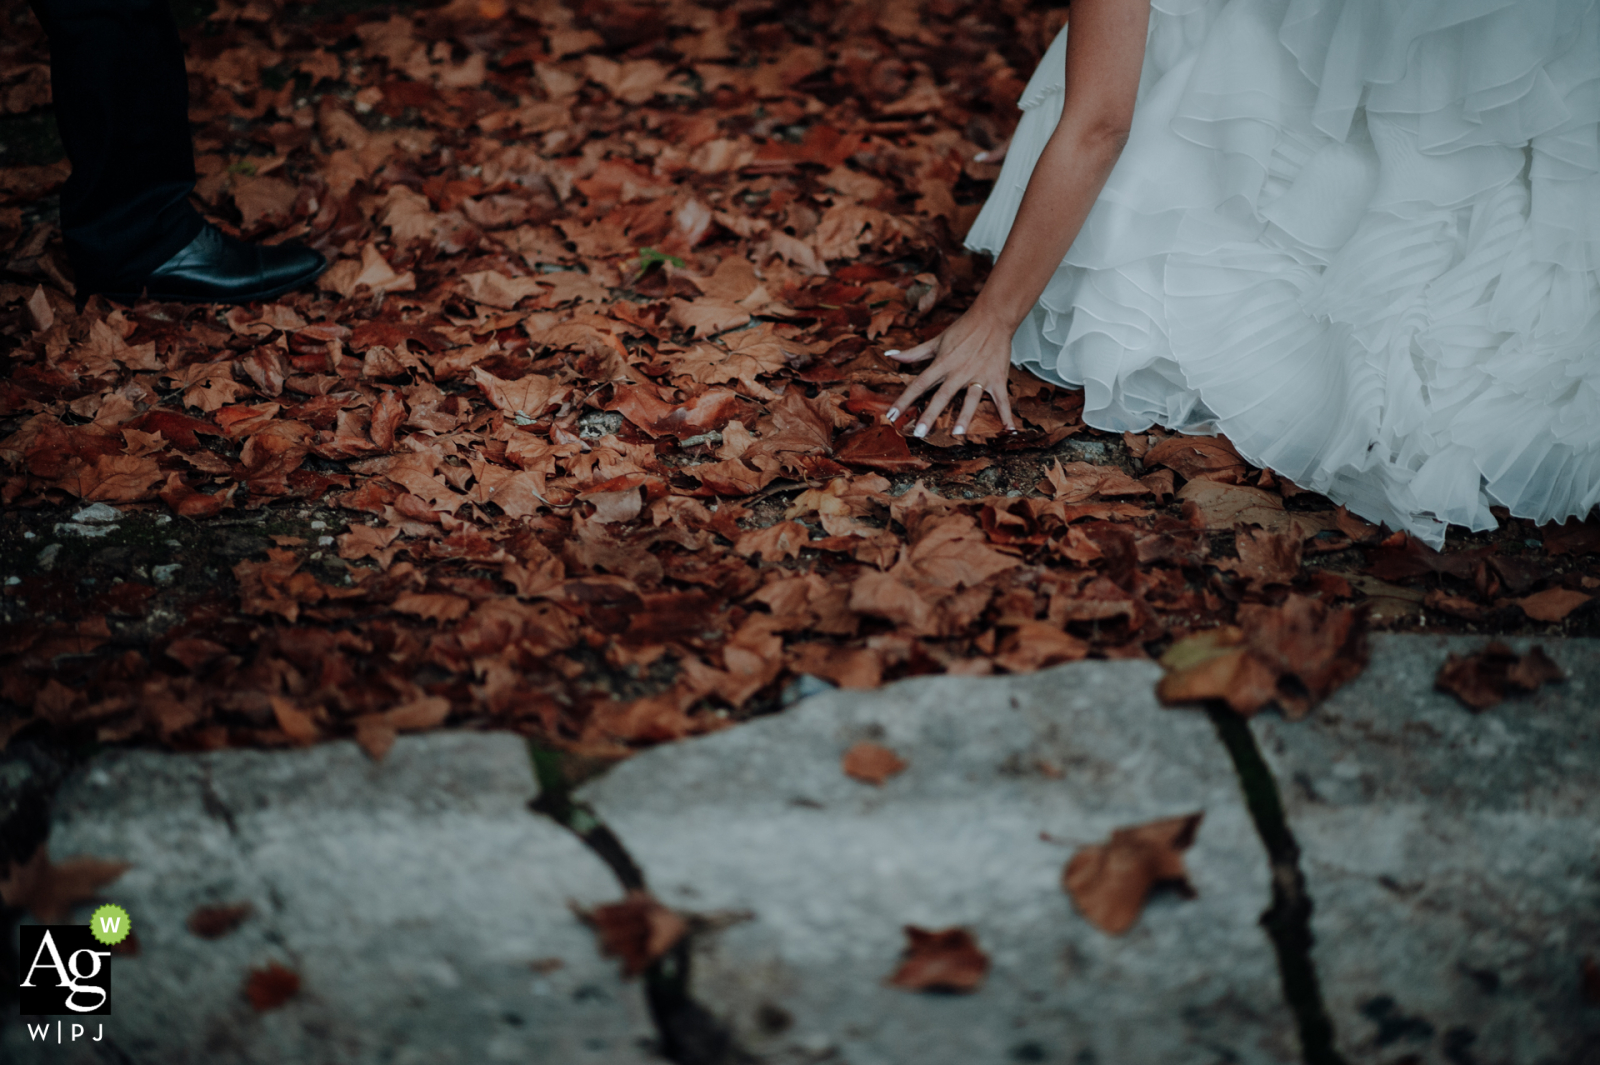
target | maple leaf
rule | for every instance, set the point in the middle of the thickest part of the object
(1573, 537)
(880, 447)
(872, 763)
(1221, 506)
(1265, 557)
(1487, 677)
(952, 552)
(527, 396)
(1205, 458)
(119, 478)
(947, 960)
(707, 316)
(1295, 654)
(271, 986)
(1553, 604)
(781, 540)
(49, 891)
(638, 930)
(214, 922)
(1034, 645)
(376, 733)
(433, 606)
(1109, 882)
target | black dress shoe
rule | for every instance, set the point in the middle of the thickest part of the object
(217, 268)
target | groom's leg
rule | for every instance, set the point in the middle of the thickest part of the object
(122, 105)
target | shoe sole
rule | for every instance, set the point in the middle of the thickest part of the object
(266, 294)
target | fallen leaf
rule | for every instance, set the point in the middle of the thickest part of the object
(1573, 537)
(270, 987)
(1295, 654)
(1199, 458)
(1222, 506)
(948, 960)
(1487, 677)
(1109, 882)
(1552, 604)
(872, 763)
(638, 930)
(214, 922)
(50, 891)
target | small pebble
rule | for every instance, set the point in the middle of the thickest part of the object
(29, 534)
(12, 582)
(98, 514)
(166, 574)
(319, 525)
(47, 557)
(324, 541)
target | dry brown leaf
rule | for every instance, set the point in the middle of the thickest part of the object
(214, 922)
(271, 986)
(49, 891)
(1488, 677)
(947, 960)
(637, 930)
(1295, 654)
(1552, 604)
(1109, 882)
(872, 763)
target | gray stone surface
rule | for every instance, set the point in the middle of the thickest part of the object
(762, 819)
(1453, 859)
(414, 897)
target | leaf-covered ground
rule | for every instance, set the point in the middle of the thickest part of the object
(581, 435)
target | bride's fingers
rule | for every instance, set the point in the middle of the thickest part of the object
(936, 406)
(924, 350)
(968, 409)
(925, 380)
(1002, 400)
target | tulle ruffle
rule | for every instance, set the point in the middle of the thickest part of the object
(1360, 237)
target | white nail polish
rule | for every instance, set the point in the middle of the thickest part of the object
(922, 431)
(892, 351)
(893, 415)
(960, 430)
(981, 157)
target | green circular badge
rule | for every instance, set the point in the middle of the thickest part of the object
(110, 924)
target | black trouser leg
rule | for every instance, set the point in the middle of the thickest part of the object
(122, 104)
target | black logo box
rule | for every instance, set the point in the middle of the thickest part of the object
(63, 969)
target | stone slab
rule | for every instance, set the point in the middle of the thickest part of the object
(761, 819)
(1453, 858)
(423, 904)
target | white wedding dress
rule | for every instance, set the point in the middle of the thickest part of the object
(1359, 237)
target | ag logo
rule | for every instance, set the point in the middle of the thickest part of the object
(64, 970)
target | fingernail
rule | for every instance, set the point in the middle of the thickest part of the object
(960, 430)
(922, 431)
(893, 415)
(981, 157)
(892, 351)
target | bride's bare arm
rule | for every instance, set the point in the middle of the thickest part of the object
(1105, 52)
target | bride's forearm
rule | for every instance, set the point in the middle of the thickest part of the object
(1105, 52)
(1065, 183)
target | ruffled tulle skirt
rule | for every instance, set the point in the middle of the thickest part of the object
(1359, 237)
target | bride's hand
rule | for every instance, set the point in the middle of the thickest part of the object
(973, 355)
